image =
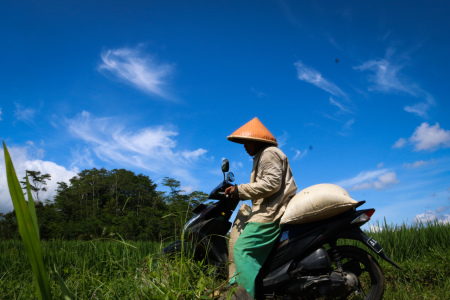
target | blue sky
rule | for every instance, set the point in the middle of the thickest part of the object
(355, 92)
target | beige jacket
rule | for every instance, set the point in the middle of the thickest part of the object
(271, 185)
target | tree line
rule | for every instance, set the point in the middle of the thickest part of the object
(99, 203)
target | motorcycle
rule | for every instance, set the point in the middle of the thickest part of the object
(305, 263)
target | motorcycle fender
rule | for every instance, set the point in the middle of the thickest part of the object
(277, 276)
(358, 235)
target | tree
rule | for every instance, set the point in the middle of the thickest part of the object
(197, 197)
(8, 226)
(173, 184)
(97, 202)
(37, 182)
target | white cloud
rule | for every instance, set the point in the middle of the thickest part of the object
(361, 177)
(24, 159)
(193, 155)
(236, 165)
(314, 77)
(400, 143)
(427, 137)
(380, 165)
(378, 179)
(386, 78)
(440, 215)
(417, 164)
(1, 114)
(138, 69)
(385, 181)
(375, 228)
(24, 114)
(187, 189)
(151, 148)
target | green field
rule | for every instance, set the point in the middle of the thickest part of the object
(108, 269)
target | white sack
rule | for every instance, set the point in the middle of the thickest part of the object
(316, 203)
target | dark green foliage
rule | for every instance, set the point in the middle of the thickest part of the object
(98, 203)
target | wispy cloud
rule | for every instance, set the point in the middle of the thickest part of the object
(282, 140)
(382, 182)
(427, 137)
(417, 164)
(420, 109)
(401, 142)
(150, 148)
(341, 107)
(24, 114)
(386, 77)
(345, 131)
(137, 69)
(1, 114)
(314, 77)
(82, 158)
(289, 14)
(258, 93)
(378, 180)
(300, 154)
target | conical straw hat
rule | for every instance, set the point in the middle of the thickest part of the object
(253, 130)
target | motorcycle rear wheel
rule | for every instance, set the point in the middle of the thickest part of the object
(371, 282)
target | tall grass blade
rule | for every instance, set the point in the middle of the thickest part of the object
(32, 208)
(65, 291)
(27, 230)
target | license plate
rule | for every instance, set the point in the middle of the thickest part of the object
(374, 245)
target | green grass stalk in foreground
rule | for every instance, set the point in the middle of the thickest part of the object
(29, 231)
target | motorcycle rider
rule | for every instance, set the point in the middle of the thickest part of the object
(270, 188)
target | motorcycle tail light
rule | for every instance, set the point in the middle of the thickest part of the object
(363, 218)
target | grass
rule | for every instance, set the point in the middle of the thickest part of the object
(106, 270)
(423, 251)
(114, 269)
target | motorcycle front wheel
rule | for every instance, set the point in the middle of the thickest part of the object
(371, 281)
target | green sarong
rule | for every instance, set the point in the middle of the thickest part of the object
(251, 251)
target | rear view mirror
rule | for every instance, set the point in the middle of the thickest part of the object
(225, 165)
(230, 177)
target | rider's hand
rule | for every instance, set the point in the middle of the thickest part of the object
(230, 191)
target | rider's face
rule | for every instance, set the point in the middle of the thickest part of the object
(252, 147)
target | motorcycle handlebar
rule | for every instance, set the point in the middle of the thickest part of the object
(223, 193)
